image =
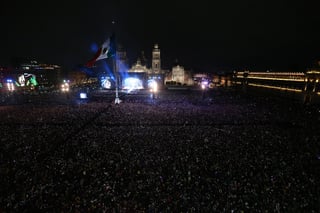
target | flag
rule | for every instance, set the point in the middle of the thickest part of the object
(107, 50)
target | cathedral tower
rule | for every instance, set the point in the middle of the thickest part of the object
(156, 61)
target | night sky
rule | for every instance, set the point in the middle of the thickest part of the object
(205, 36)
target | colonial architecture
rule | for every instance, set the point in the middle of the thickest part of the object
(302, 85)
(179, 76)
(139, 68)
(156, 61)
(155, 72)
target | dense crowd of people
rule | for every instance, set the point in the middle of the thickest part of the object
(181, 152)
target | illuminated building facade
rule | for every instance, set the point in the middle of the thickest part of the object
(140, 70)
(179, 76)
(291, 81)
(155, 72)
(156, 61)
(305, 83)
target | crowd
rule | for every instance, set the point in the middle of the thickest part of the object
(181, 152)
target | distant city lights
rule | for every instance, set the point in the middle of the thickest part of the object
(204, 84)
(10, 85)
(65, 86)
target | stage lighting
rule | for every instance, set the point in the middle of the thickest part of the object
(83, 95)
(132, 83)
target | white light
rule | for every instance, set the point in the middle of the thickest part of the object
(204, 84)
(132, 84)
(105, 83)
(65, 87)
(83, 95)
(10, 86)
(21, 80)
(153, 85)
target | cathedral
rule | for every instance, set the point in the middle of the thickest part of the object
(178, 75)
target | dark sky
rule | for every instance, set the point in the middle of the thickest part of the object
(202, 35)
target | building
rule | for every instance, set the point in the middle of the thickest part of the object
(31, 75)
(140, 70)
(179, 76)
(47, 75)
(222, 79)
(298, 85)
(156, 61)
